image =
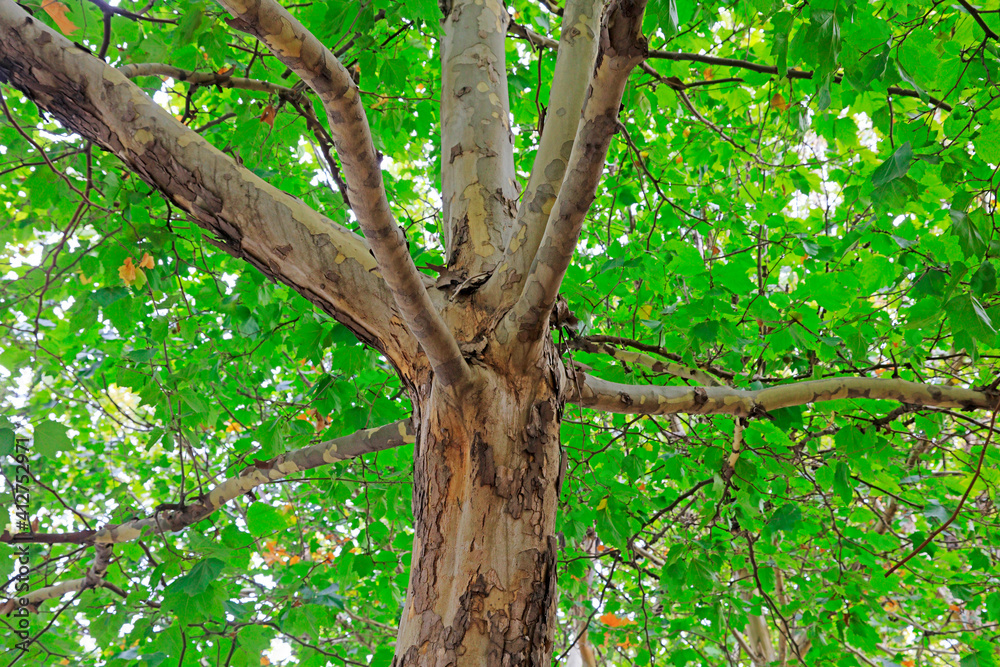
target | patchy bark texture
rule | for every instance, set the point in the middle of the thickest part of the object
(478, 185)
(482, 583)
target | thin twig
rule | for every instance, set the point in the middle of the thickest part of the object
(965, 496)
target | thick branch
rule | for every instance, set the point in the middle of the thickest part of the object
(295, 97)
(305, 55)
(93, 579)
(598, 394)
(478, 181)
(340, 449)
(622, 47)
(325, 262)
(574, 66)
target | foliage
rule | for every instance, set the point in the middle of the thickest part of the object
(764, 226)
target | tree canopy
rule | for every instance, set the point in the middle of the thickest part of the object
(792, 247)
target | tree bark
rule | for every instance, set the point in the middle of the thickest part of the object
(487, 474)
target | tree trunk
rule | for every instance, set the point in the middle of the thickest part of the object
(486, 482)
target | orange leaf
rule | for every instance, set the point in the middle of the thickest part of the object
(908, 663)
(57, 12)
(709, 74)
(127, 271)
(264, 660)
(268, 116)
(147, 261)
(779, 102)
(613, 621)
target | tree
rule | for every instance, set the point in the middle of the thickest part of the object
(328, 341)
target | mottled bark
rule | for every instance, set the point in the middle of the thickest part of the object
(486, 482)
(305, 55)
(478, 183)
(621, 48)
(591, 392)
(574, 65)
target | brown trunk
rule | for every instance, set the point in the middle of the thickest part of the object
(486, 483)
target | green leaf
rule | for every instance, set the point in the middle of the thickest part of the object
(895, 167)
(993, 606)
(51, 439)
(984, 280)
(6, 441)
(668, 17)
(199, 577)
(987, 144)
(190, 21)
(969, 237)
(262, 519)
(842, 483)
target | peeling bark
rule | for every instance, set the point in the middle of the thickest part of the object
(591, 392)
(622, 47)
(305, 55)
(482, 584)
(478, 183)
(574, 64)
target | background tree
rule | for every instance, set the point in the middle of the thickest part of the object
(335, 334)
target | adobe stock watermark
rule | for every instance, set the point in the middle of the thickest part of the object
(19, 617)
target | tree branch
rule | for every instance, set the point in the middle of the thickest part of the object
(332, 267)
(295, 97)
(539, 40)
(262, 472)
(622, 47)
(591, 392)
(206, 78)
(653, 364)
(478, 183)
(306, 458)
(974, 13)
(574, 66)
(299, 50)
(771, 69)
(93, 579)
(350, 446)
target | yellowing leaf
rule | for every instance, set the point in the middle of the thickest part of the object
(779, 102)
(709, 74)
(268, 115)
(601, 505)
(147, 261)
(127, 271)
(57, 12)
(645, 311)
